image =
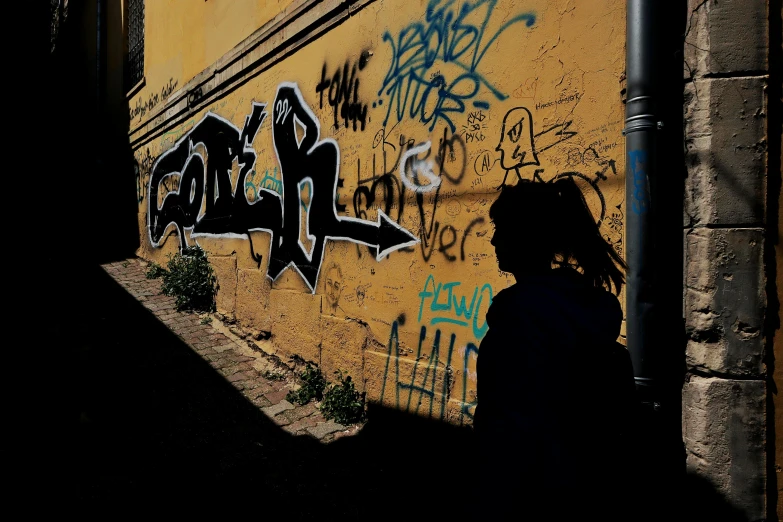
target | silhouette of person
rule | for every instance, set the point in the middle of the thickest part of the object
(544, 437)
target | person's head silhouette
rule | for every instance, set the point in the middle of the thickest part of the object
(540, 226)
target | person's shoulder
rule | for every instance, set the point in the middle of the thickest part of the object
(609, 301)
(513, 303)
(599, 295)
(517, 294)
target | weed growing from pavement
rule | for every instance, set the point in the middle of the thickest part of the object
(189, 278)
(206, 320)
(342, 402)
(312, 386)
(154, 271)
(272, 376)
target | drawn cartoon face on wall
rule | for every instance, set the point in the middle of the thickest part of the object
(333, 286)
(516, 140)
(361, 293)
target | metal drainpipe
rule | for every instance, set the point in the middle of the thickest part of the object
(640, 132)
(98, 43)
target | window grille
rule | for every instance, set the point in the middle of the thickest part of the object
(135, 42)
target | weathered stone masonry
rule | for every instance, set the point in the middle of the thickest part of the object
(724, 408)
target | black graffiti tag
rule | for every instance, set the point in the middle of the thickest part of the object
(342, 90)
(206, 203)
(143, 168)
(519, 147)
(208, 183)
(308, 159)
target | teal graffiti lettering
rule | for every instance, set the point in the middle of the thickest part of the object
(453, 309)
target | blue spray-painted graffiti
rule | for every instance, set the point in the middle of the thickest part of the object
(452, 33)
(637, 162)
(453, 309)
(468, 408)
(423, 384)
(269, 182)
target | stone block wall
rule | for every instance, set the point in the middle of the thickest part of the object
(724, 397)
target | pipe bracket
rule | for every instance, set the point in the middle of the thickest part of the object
(640, 123)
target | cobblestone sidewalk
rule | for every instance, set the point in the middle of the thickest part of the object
(263, 380)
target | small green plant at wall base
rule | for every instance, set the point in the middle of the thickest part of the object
(313, 385)
(191, 280)
(272, 376)
(206, 320)
(342, 402)
(154, 271)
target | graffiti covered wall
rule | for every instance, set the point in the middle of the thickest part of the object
(342, 192)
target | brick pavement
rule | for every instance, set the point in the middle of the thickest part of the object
(261, 378)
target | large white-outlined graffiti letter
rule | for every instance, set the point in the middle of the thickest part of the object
(205, 203)
(302, 157)
(206, 182)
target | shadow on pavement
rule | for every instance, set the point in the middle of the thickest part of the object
(152, 429)
(158, 429)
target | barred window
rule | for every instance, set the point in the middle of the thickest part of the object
(135, 42)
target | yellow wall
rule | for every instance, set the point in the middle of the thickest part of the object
(183, 38)
(557, 63)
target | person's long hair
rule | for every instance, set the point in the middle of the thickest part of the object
(561, 229)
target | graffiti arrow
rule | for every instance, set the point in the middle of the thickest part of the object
(553, 135)
(392, 236)
(385, 235)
